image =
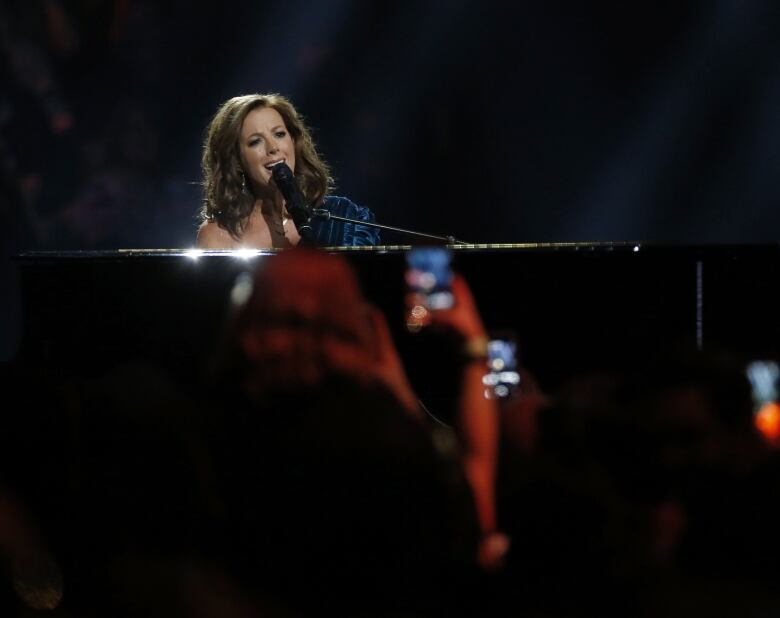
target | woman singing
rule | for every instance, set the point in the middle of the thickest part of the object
(242, 206)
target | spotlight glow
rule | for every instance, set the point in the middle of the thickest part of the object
(246, 254)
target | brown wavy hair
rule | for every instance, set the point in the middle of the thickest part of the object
(225, 199)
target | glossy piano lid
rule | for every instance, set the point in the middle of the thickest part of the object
(530, 247)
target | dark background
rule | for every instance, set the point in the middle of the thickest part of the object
(492, 121)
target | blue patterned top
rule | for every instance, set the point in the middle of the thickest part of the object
(332, 233)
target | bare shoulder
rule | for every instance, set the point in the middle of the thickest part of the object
(211, 236)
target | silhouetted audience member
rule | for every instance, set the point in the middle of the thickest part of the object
(338, 493)
(29, 575)
(646, 493)
(722, 477)
(143, 501)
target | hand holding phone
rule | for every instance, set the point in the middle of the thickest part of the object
(429, 282)
(502, 377)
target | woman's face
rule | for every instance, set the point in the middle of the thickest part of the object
(264, 141)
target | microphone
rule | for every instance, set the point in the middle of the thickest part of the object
(296, 205)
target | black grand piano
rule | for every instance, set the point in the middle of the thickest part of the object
(572, 307)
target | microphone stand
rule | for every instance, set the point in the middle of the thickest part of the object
(325, 214)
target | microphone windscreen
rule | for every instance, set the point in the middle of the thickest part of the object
(282, 173)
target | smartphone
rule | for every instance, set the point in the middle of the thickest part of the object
(764, 377)
(429, 277)
(502, 378)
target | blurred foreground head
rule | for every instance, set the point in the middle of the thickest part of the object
(299, 320)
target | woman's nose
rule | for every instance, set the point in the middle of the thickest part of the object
(272, 147)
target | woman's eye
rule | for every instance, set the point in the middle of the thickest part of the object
(254, 142)
(281, 134)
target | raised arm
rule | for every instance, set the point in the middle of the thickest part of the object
(477, 421)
